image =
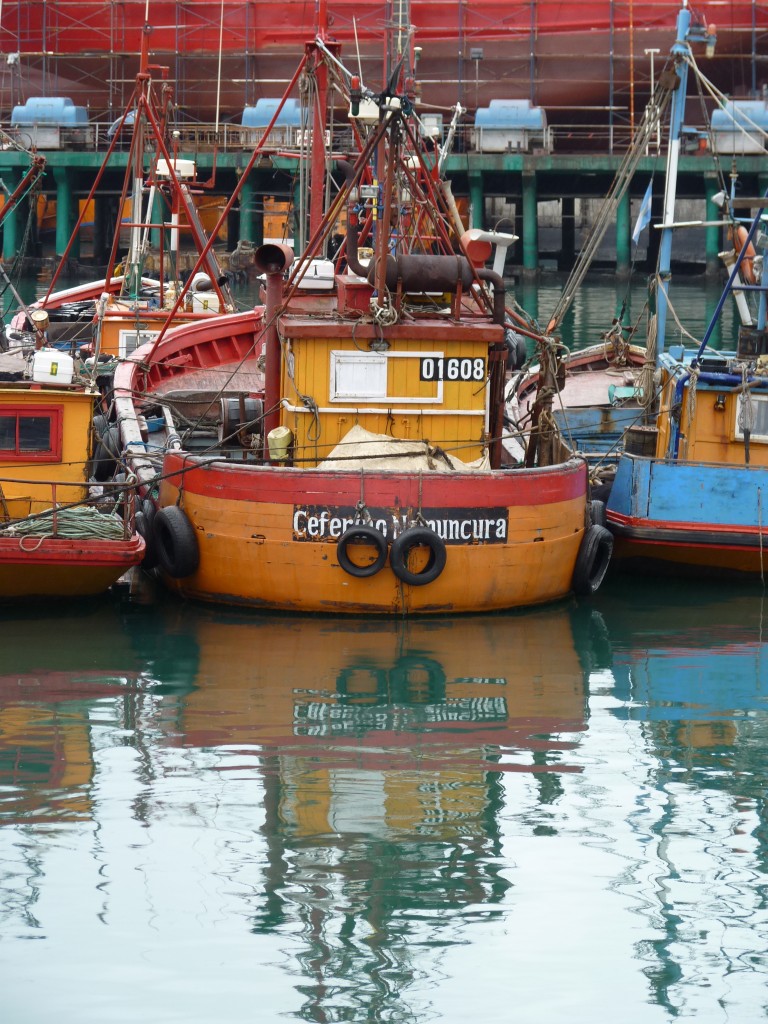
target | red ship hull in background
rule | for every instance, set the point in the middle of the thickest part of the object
(589, 54)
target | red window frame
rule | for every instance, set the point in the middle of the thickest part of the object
(54, 414)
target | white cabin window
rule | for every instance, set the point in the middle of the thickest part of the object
(361, 377)
(759, 405)
(129, 341)
(358, 376)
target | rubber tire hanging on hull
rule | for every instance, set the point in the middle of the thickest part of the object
(417, 536)
(107, 454)
(592, 560)
(362, 534)
(178, 552)
(145, 525)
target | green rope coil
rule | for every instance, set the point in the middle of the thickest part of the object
(76, 523)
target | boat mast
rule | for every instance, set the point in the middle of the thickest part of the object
(134, 258)
(687, 32)
(319, 110)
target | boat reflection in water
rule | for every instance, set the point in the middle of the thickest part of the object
(379, 749)
(691, 671)
(389, 820)
(58, 667)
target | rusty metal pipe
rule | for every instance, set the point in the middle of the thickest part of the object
(427, 273)
(499, 312)
(353, 260)
(272, 259)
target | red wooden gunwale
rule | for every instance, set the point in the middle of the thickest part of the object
(518, 487)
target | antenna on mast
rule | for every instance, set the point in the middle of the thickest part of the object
(357, 49)
(218, 80)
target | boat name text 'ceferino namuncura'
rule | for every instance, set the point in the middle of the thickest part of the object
(453, 525)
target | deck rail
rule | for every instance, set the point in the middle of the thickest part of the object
(190, 139)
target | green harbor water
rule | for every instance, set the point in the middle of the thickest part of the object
(555, 816)
(603, 296)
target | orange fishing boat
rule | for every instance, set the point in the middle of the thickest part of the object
(57, 538)
(339, 449)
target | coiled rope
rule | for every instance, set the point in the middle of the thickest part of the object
(79, 522)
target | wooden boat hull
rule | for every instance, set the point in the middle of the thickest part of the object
(268, 536)
(597, 402)
(126, 325)
(60, 567)
(692, 517)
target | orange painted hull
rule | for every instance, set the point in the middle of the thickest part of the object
(268, 536)
(58, 567)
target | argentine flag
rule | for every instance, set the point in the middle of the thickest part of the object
(644, 216)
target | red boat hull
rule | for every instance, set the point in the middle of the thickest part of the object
(60, 567)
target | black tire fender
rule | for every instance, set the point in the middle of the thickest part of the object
(107, 454)
(414, 537)
(592, 560)
(145, 525)
(597, 512)
(362, 534)
(178, 552)
(100, 426)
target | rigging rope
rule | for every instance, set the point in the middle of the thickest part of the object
(607, 211)
(722, 101)
(646, 379)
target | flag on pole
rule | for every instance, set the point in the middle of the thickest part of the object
(644, 216)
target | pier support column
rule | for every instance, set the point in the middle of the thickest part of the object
(567, 233)
(530, 225)
(713, 234)
(476, 200)
(11, 222)
(65, 209)
(103, 210)
(157, 237)
(246, 232)
(623, 236)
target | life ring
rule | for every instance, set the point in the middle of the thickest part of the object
(362, 534)
(592, 560)
(145, 525)
(178, 552)
(414, 537)
(739, 235)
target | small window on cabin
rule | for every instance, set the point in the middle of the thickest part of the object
(30, 435)
(129, 341)
(358, 377)
(759, 417)
(34, 433)
(8, 433)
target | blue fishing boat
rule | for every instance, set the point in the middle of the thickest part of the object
(694, 499)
